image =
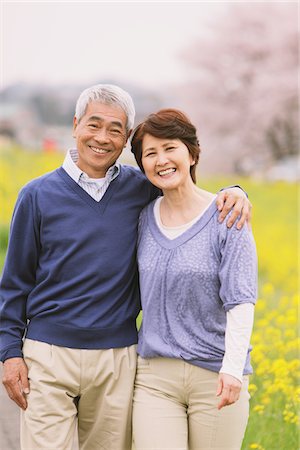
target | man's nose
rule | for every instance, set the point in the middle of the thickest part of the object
(102, 135)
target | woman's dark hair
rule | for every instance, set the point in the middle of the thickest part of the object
(167, 124)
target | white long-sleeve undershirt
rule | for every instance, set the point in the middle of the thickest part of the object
(237, 338)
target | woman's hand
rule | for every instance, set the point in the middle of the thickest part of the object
(236, 200)
(228, 389)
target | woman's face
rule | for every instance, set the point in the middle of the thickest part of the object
(166, 162)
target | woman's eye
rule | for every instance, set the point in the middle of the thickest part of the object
(170, 148)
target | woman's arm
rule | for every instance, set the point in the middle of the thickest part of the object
(237, 338)
(238, 292)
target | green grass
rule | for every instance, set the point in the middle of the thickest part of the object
(3, 242)
(275, 227)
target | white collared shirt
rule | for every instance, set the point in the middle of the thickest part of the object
(95, 187)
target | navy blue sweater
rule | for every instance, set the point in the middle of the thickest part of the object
(70, 276)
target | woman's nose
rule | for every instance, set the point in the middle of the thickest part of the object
(162, 159)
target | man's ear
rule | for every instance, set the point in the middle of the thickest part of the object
(129, 134)
(75, 123)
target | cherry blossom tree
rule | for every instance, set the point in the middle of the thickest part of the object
(243, 85)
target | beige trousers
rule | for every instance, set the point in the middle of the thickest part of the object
(88, 390)
(175, 408)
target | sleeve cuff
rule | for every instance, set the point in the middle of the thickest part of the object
(234, 186)
(236, 374)
(11, 353)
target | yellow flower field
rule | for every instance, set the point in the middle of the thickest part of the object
(274, 387)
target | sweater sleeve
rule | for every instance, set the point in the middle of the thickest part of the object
(18, 277)
(234, 186)
(238, 267)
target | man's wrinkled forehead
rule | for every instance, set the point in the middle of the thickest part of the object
(101, 113)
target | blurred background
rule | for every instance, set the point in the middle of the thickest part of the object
(233, 68)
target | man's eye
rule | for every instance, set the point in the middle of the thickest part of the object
(115, 131)
(92, 125)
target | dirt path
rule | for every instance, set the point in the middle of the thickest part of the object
(9, 421)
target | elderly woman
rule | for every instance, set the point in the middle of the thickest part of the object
(198, 281)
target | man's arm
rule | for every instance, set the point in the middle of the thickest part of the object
(18, 280)
(235, 199)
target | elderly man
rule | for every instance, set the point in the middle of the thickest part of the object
(70, 285)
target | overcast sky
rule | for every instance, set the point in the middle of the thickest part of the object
(83, 42)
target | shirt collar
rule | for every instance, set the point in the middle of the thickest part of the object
(70, 166)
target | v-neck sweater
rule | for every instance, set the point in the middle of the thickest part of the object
(70, 276)
(189, 283)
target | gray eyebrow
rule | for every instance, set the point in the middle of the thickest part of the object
(99, 119)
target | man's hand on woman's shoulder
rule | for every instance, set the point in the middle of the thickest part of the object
(234, 199)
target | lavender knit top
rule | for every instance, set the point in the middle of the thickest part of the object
(189, 283)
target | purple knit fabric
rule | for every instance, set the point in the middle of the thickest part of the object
(189, 283)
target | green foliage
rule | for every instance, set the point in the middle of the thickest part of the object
(274, 385)
(4, 229)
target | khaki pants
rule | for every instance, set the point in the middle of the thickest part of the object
(90, 389)
(175, 407)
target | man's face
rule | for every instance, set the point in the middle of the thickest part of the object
(100, 137)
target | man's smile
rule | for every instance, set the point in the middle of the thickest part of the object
(99, 150)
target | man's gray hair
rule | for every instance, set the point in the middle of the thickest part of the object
(110, 95)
